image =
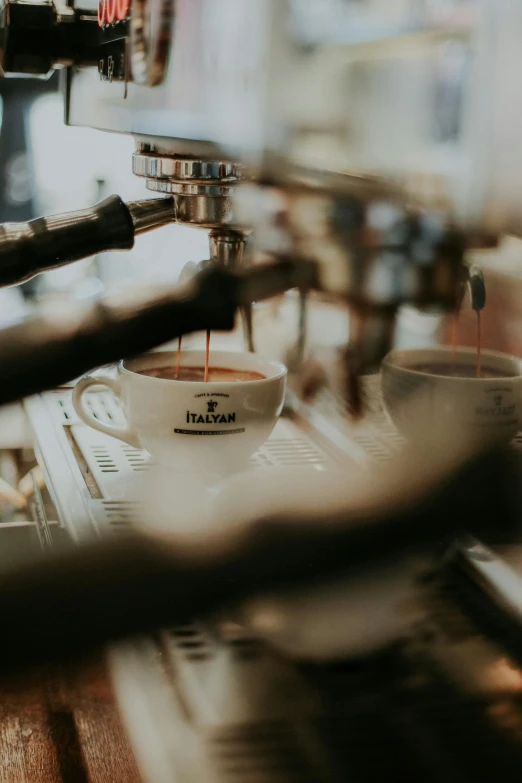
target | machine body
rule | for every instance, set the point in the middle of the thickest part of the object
(356, 148)
(232, 120)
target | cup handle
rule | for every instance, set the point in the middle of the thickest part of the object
(126, 434)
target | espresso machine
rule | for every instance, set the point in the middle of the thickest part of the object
(350, 151)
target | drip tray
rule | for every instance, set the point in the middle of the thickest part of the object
(95, 479)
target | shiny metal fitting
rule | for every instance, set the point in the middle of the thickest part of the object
(186, 176)
(202, 189)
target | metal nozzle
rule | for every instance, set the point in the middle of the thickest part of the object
(477, 288)
(151, 213)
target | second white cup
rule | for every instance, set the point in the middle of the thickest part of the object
(434, 407)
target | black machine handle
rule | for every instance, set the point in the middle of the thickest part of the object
(72, 603)
(27, 249)
(44, 353)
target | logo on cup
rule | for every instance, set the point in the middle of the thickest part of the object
(210, 417)
(496, 407)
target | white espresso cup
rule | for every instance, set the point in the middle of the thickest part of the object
(192, 426)
(435, 407)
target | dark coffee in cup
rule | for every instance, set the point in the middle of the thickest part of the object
(215, 374)
(436, 399)
(459, 370)
(194, 426)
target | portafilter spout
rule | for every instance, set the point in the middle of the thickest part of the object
(227, 249)
(477, 288)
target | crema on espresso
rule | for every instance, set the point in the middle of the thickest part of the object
(215, 374)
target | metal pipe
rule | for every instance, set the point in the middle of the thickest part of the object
(151, 213)
(227, 249)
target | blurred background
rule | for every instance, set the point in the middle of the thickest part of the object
(407, 113)
(45, 168)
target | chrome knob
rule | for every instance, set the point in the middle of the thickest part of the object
(150, 39)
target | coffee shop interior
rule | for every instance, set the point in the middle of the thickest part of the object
(261, 391)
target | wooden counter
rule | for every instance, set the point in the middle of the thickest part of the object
(64, 729)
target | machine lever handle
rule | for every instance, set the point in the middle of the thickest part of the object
(26, 249)
(43, 353)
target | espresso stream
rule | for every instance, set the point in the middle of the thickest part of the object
(479, 345)
(178, 357)
(207, 355)
(178, 361)
(454, 338)
(198, 374)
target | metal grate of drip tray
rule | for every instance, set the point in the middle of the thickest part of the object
(95, 479)
(375, 438)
